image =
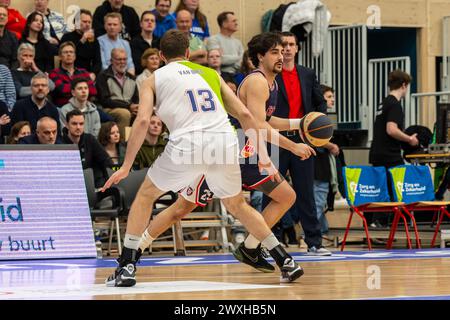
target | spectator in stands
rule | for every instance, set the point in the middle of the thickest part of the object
(385, 150)
(145, 40)
(91, 152)
(8, 42)
(63, 76)
(54, 24)
(7, 89)
(150, 61)
(246, 67)
(19, 130)
(153, 145)
(215, 61)
(232, 48)
(130, 19)
(88, 50)
(27, 70)
(164, 20)
(44, 50)
(118, 92)
(16, 22)
(46, 133)
(199, 26)
(79, 101)
(111, 40)
(36, 106)
(4, 121)
(197, 48)
(109, 138)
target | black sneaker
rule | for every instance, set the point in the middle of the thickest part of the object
(125, 273)
(122, 277)
(254, 258)
(290, 271)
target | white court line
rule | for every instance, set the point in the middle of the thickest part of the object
(86, 291)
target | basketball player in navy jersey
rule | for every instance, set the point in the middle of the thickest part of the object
(258, 91)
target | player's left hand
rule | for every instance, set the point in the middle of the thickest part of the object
(272, 172)
(120, 174)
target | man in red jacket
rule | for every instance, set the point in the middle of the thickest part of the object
(16, 22)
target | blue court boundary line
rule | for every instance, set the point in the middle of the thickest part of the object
(195, 260)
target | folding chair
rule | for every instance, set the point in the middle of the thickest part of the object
(413, 186)
(366, 191)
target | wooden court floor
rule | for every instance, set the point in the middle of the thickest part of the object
(322, 280)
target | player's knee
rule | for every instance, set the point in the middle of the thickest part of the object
(291, 197)
(235, 205)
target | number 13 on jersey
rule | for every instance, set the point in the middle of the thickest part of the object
(201, 100)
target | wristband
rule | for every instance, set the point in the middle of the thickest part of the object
(294, 124)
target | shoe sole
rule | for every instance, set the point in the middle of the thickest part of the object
(264, 270)
(318, 254)
(297, 274)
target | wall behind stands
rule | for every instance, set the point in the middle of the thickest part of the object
(423, 14)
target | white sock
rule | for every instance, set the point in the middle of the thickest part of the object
(131, 242)
(146, 240)
(251, 242)
(270, 242)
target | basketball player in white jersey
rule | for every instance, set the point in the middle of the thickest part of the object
(191, 99)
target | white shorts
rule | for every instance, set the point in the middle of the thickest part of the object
(189, 161)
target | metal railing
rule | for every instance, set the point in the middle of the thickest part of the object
(342, 65)
(423, 108)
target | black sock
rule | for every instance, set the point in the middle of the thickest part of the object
(279, 255)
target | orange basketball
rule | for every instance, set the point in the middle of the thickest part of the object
(316, 129)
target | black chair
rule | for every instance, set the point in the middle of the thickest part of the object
(104, 205)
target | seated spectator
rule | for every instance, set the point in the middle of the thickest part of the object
(88, 49)
(197, 48)
(130, 18)
(54, 24)
(79, 101)
(215, 62)
(118, 91)
(8, 42)
(27, 70)
(246, 67)
(145, 40)
(164, 20)
(232, 48)
(91, 152)
(111, 40)
(109, 138)
(16, 22)
(7, 89)
(19, 130)
(199, 22)
(44, 50)
(150, 61)
(63, 76)
(4, 121)
(153, 146)
(36, 106)
(46, 133)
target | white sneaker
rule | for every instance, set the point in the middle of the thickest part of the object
(321, 251)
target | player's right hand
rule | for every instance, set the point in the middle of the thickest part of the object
(120, 174)
(303, 151)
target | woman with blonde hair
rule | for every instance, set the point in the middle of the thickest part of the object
(150, 61)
